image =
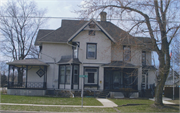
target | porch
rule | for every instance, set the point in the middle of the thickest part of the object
(27, 74)
(117, 79)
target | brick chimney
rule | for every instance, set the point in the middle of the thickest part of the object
(103, 16)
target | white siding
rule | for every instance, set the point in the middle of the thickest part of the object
(136, 55)
(103, 47)
(151, 77)
(51, 51)
(117, 52)
(52, 76)
(33, 76)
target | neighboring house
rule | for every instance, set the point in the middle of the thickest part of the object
(110, 57)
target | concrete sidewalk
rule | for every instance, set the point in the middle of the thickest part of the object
(164, 100)
(106, 103)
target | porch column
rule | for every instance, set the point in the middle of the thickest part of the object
(71, 76)
(26, 75)
(8, 75)
(13, 77)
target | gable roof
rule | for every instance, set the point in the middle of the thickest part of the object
(62, 34)
(99, 26)
(41, 34)
(71, 28)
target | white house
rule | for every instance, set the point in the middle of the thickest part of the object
(110, 57)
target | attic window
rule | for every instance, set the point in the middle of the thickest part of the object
(92, 26)
(92, 33)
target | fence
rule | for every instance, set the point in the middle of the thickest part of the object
(168, 92)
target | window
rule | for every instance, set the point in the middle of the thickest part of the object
(68, 70)
(92, 33)
(76, 74)
(92, 75)
(75, 49)
(65, 73)
(62, 74)
(127, 53)
(143, 58)
(91, 51)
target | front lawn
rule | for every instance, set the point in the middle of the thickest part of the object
(49, 100)
(141, 105)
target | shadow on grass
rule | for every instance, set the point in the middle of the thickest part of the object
(131, 105)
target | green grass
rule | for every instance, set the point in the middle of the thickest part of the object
(145, 105)
(55, 109)
(140, 105)
(49, 100)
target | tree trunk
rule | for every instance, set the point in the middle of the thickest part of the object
(161, 79)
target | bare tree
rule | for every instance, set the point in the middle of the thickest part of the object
(20, 21)
(156, 19)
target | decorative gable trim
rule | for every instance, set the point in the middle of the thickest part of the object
(85, 25)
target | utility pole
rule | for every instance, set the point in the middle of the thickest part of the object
(173, 72)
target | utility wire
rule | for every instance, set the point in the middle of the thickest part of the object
(73, 18)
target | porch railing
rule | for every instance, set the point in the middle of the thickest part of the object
(28, 85)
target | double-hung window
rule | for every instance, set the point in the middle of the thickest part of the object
(91, 51)
(127, 53)
(75, 74)
(75, 48)
(65, 74)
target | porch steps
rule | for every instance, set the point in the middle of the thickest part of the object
(103, 94)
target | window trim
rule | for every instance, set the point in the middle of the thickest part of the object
(124, 53)
(97, 68)
(95, 56)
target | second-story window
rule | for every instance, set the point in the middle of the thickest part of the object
(91, 51)
(75, 52)
(143, 58)
(127, 53)
(75, 49)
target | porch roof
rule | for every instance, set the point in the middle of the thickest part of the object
(121, 64)
(69, 60)
(28, 61)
